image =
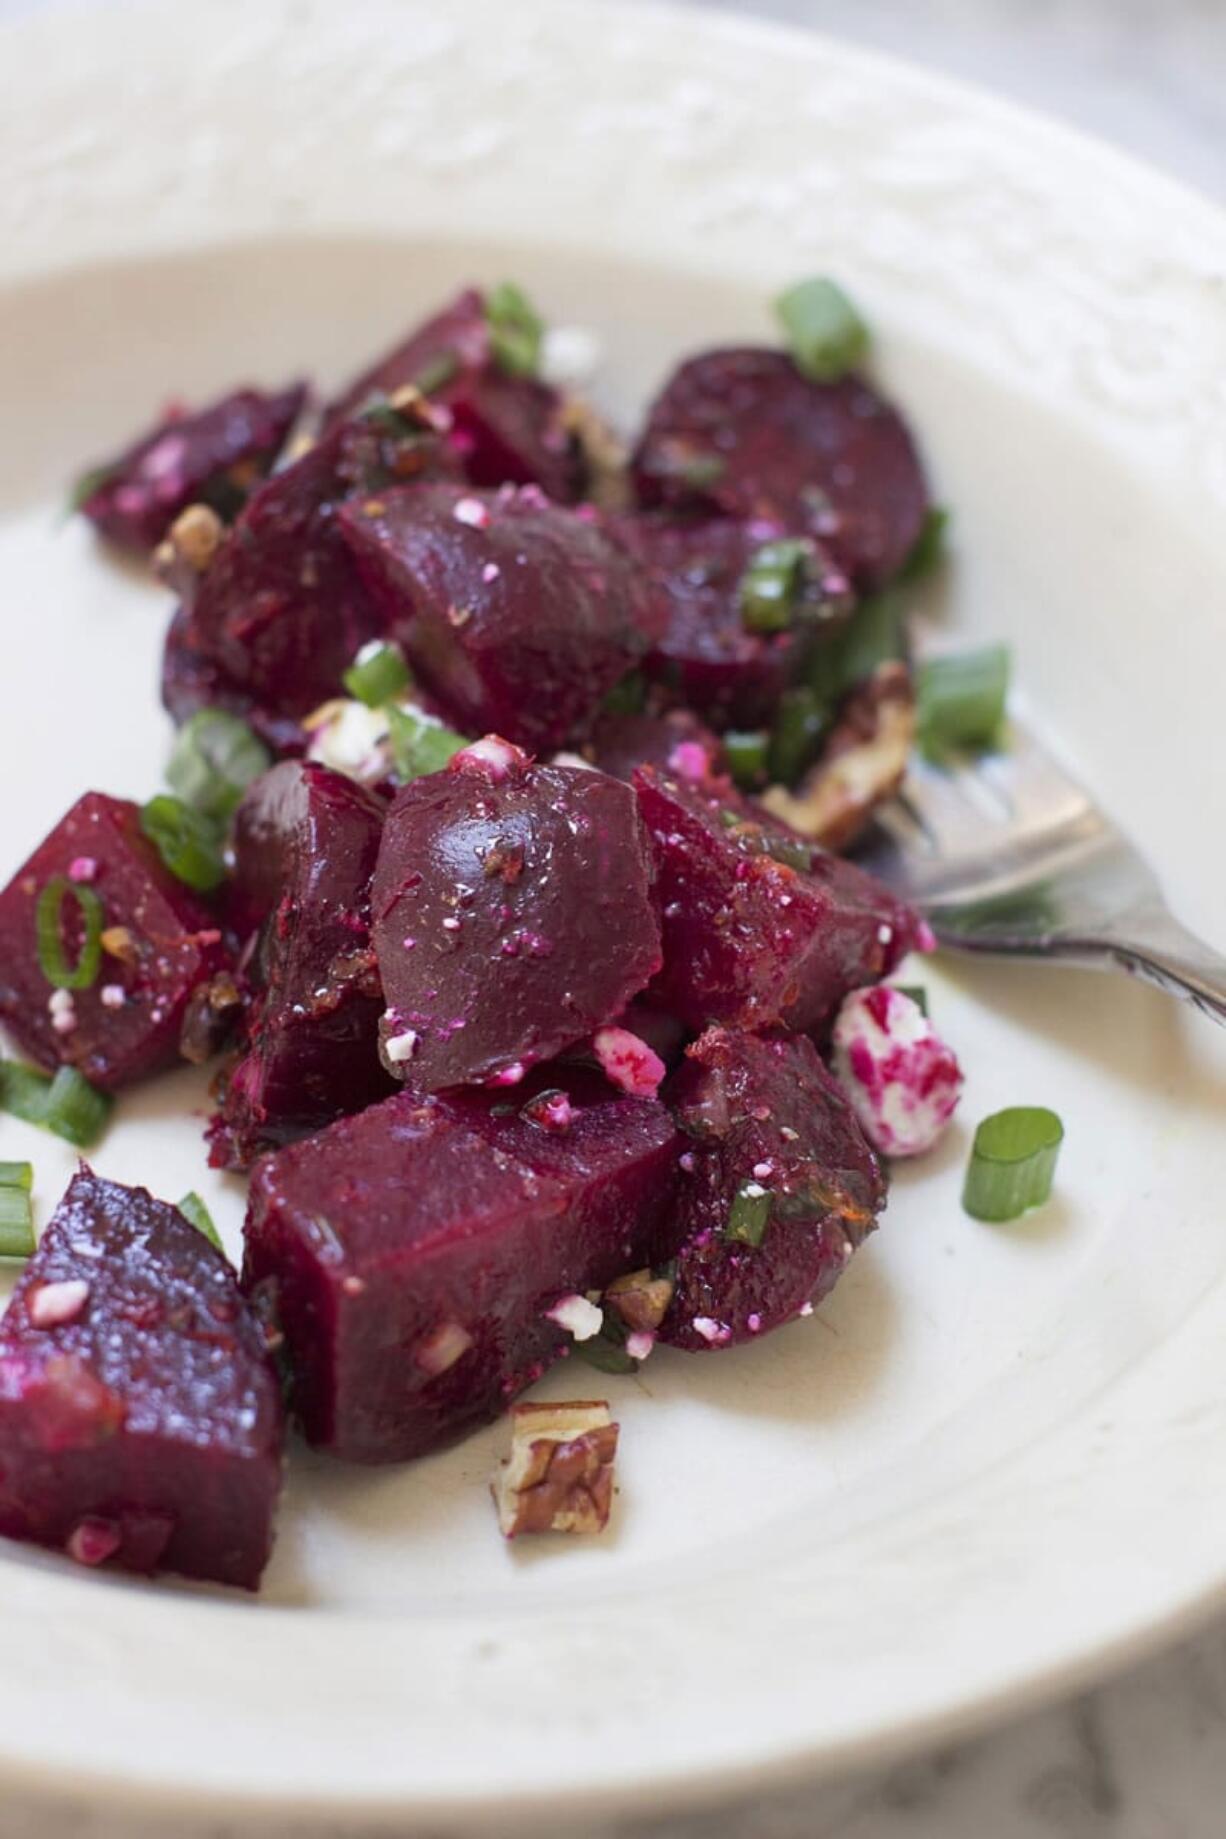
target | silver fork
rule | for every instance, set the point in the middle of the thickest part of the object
(1006, 853)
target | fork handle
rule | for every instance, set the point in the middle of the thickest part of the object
(1151, 943)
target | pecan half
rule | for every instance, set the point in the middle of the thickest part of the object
(559, 1477)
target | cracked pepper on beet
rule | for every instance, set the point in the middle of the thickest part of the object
(523, 1001)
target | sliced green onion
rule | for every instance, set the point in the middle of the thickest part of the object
(17, 1175)
(825, 334)
(800, 721)
(48, 927)
(515, 330)
(876, 635)
(749, 1215)
(16, 1223)
(627, 697)
(928, 547)
(791, 852)
(1013, 1161)
(960, 700)
(606, 1351)
(76, 1110)
(771, 583)
(186, 841)
(746, 753)
(215, 758)
(197, 1214)
(23, 1091)
(377, 674)
(917, 993)
(420, 744)
(438, 373)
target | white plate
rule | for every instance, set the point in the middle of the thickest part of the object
(989, 1467)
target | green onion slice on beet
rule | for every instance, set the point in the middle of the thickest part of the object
(917, 993)
(928, 547)
(825, 333)
(420, 744)
(1013, 1162)
(800, 722)
(771, 583)
(197, 1214)
(749, 1215)
(746, 751)
(960, 699)
(606, 1351)
(378, 673)
(49, 918)
(186, 840)
(215, 758)
(515, 330)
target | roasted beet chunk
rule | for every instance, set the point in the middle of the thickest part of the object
(413, 1253)
(741, 432)
(503, 427)
(779, 1187)
(214, 456)
(159, 944)
(512, 915)
(518, 614)
(759, 928)
(711, 658)
(280, 611)
(140, 1415)
(675, 740)
(306, 840)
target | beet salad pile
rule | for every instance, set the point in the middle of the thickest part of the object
(499, 878)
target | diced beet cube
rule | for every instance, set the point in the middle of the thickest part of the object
(306, 840)
(779, 1186)
(512, 916)
(741, 432)
(519, 614)
(413, 1252)
(503, 428)
(191, 680)
(214, 456)
(280, 612)
(160, 943)
(676, 741)
(759, 928)
(709, 659)
(140, 1414)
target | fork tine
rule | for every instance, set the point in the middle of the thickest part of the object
(1035, 786)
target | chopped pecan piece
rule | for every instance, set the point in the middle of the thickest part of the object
(641, 1300)
(604, 454)
(559, 1477)
(862, 764)
(211, 1013)
(192, 541)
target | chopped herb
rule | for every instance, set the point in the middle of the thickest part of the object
(791, 852)
(76, 1110)
(420, 744)
(215, 758)
(749, 1215)
(186, 840)
(16, 1223)
(929, 546)
(197, 1214)
(377, 674)
(606, 1351)
(876, 635)
(1013, 1163)
(960, 700)
(825, 333)
(515, 330)
(917, 993)
(771, 583)
(729, 819)
(49, 934)
(17, 1175)
(628, 696)
(746, 752)
(800, 722)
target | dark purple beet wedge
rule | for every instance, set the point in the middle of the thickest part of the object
(742, 433)
(214, 456)
(517, 613)
(141, 1421)
(280, 612)
(779, 1187)
(413, 1253)
(503, 427)
(760, 928)
(306, 840)
(712, 658)
(152, 941)
(512, 915)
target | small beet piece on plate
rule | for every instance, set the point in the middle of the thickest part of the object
(517, 613)
(306, 840)
(674, 740)
(740, 432)
(779, 1187)
(413, 1253)
(503, 427)
(512, 915)
(159, 944)
(710, 658)
(141, 1421)
(214, 456)
(280, 612)
(759, 928)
